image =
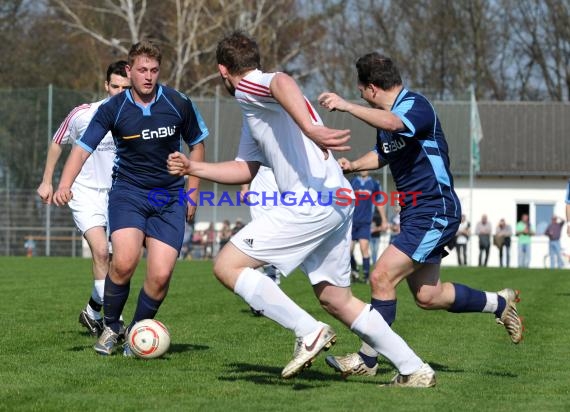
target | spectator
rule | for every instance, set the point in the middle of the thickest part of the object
(375, 232)
(553, 231)
(483, 230)
(237, 226)
(30, 246)
(395, 224)
(209, 241)
(524, 233)
(568, 207)
(461, 239)
(225, 233)
(502, 240)
(186, 250)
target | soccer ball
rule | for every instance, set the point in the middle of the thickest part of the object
(149, 339)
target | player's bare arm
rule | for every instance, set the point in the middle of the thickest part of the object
(72, 167)
(233, 172)
(376, 116)
(197, 154)
(369, 161)
(45, 189)
(287, 93)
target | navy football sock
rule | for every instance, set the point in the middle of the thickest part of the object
(147, 307)
(366, 267)
(387, 309)
(352, 263)
(501, 304)
(468, 300)
(115, 298)
(369, 361)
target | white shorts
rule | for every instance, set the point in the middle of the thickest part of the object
(315, 238)
(89, 207)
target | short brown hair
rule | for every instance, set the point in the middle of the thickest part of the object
(239, 53)
(144, 48)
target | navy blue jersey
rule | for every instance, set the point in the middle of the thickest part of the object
(418, 158)
(145, 136)
(365, 189)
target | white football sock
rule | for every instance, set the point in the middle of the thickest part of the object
(492, 303)
(368, 350)
(373, 329)
(261, 293)
(98, 291)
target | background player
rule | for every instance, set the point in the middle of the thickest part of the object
(90, 189)
(148, 123)
(368, 197)
(410, 139)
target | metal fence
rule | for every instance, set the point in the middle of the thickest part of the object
(29, 117)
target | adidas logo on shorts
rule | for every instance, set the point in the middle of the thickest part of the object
(249, 242)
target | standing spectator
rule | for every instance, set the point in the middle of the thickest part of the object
(568, 207)
(524, 233)
(395, 224)
(553, 231)
(225, 233)
(30, 246)
(186, 250)
(375, 232)
(238, 225)
(461, 240)
(148, 122)
(484, 230)
(368, 196)
(502, 240)
(209, 241)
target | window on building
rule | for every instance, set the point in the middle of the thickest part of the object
(543, 214)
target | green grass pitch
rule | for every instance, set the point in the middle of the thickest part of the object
(222, 358)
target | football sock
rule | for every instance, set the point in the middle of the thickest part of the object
(468, 300)
(366, 266)
(371, 327)
(500, 302)
(353, 263)
(115, 298)
(93, 309)
(98, 292)
(387, 308)
(262, 294)
(147, 307)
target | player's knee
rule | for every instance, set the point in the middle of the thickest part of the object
(100, 255)
(379, 278)
(426, 300)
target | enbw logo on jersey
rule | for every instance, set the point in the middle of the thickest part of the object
(396, 144)
(159, 133)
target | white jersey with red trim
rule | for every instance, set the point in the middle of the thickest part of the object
(97, 171)
(270, 136)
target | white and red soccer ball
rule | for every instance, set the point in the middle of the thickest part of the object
(148, 339)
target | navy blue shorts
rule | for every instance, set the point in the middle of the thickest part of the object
(424, 237)
(156, 212)
(360, 231)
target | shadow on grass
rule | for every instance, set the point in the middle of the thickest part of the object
(186, 347)
(174, 348)
(271, 375)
